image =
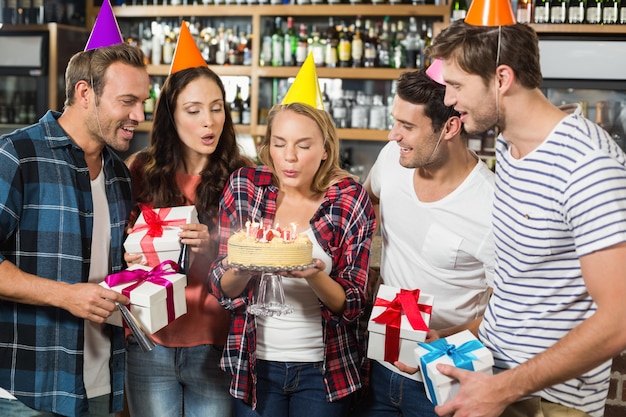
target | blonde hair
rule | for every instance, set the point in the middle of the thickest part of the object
(329, 171)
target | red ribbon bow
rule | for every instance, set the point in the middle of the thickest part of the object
(405, 301)
(155, 276)
(155, 223)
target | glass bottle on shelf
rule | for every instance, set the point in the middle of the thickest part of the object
(245, 112)
(378, 113)
(317, 48)
(360, 111)
(332, 42)
(594, 11)
(344, 48)
(602, 115)
(302, 49)
(576, 11)
(412, 42)
(524, 13)
(265, 57)
(398, 45)
(610, 12)
(384, 44)
(357, 49)
(458, 10)
(542, 11)
(370, 53)
(622, 12)
(290, 44)
(236, 107)
(558, 11)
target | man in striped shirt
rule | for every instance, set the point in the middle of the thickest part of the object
(556, 316)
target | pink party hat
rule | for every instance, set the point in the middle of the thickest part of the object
(106, 31)
(434, 71)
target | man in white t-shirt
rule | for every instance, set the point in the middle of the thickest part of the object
(434, 197)
(556, 317)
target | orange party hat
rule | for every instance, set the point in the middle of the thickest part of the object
(106, 31)
(186, 54)
(490, 13)
(305, 88)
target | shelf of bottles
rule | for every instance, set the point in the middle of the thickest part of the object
(575, 13)
(259, 48)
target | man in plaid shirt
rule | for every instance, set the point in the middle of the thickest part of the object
(65, 199)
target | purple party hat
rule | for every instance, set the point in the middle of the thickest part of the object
(106, 31)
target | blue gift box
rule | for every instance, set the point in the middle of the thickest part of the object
(462, 350)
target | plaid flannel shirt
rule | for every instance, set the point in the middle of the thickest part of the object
(46, 224)
(343, 225)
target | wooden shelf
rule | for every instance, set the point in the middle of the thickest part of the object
(256, 72)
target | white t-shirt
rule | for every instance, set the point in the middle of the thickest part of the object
(96, 371)
(295, 337)
(564, 200)
(444, 248)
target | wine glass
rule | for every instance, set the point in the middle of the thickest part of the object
(270, 300)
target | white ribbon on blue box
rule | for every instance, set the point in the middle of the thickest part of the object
(462, 350)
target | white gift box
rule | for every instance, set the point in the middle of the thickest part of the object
(148, 301)
(465, 352)
(409, 337)
(166, 247)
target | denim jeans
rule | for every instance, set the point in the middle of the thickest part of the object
(172, 382)
(393, 395)
(291, 389)
(98, 407)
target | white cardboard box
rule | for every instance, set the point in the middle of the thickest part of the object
(409, 337)
(441, 388)
(167, 247)
(148, 301)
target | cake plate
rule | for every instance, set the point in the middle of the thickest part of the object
(270, 296)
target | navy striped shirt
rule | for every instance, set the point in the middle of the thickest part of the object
(564, 200)
(46, 224)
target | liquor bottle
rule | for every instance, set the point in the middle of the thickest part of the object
(558, 11)
(426, 40)
(398, 45)
(357, 49)
(344, 48)
(602, 115)
(317, 47)
(524, 11)
(149, 104)
(290, 44)
(302, 49)
(384, 44)
(278, 43)
(246, 114)
(265, 57)
(576, 11)
(542, 11)
(458, 10)
(332, 42)
(369, 53)
(622, 12)
(326, 99)
(594, 12)
(610, 12)
(10, 12)
(236, 107)
(412, 42)
(38, 12)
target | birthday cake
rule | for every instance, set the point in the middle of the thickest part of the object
(258, 246)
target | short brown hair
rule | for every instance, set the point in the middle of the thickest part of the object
(475, 49)
(91, 65)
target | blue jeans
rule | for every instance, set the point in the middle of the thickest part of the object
(98, 407)
(393, 395)
(291, 389)
(172, 382)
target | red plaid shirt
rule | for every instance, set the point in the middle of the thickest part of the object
(343, 226)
